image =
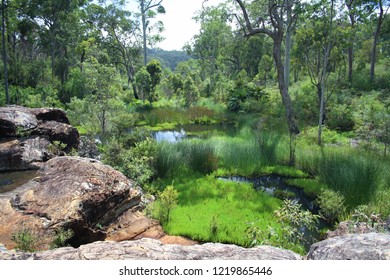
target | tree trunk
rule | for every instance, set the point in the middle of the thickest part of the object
(375, 42)
(143, 18)
(323, 77)
(277, 54)
(288, 45)
(351, 16)
(5, 60)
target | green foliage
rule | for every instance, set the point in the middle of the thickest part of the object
(218, 209)
(291, 236)
(137, 163)
(56, 147)
(332, 205)
(190, 92)
(143, 82)
(60, 238)
(310, 186)
(168, 200)
(354, 176)
(25, 240)
(162, 207)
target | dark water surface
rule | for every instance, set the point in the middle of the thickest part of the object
(11, 180)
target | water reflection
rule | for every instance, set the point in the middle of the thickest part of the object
(169, 136)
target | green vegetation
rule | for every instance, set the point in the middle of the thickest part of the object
(60, 238)
(25, 240)
(322, 120)
(206, 210)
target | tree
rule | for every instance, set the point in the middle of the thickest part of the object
(58, 23)
(381, 17)
(147, 11)
(214, 37)
(121, 37)
(271, 24)
(190, 92)
(168, 200)
(155, 72)
(143, 81)
(5, 62)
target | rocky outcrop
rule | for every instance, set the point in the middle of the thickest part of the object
(94, 200)
(26, 135)
(149, 249)
(370, 246)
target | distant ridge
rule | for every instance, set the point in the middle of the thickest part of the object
(168, 58)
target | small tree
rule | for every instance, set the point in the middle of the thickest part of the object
(143, 81)
(168, 200)
(190, 91)
(155, 71)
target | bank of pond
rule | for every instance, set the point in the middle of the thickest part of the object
(234, 189)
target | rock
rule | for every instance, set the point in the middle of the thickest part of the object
(50, 114)
(369, 246)
(26, 135)
(94, 200)
(88, 148)
(61, 132)
(149, 249)
(16, 120)
(23, 154)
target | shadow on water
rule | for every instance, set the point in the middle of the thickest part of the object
(12, 180)
(272, 185)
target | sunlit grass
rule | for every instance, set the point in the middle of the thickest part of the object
(230, 206)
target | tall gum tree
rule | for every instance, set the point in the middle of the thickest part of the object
(121, 37)
(383, 7)
(5, 63)
(148, 10)
(272, 24)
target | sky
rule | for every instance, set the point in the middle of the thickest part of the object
(178, 23)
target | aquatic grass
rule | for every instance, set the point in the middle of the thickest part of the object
(169, 160)
(233, 204)
(246, 153)
(311, 187)
(356, 177)
(158, 116)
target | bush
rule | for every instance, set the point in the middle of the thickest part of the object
(60, 238)
(25, 240)
(331, 205)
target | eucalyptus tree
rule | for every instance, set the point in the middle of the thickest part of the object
(58, 22)
(149, 9)
(383, 7)
(356, 12)
(319, 41)
(268, 17)
(5, 62)
(120, 36)
(210, 45)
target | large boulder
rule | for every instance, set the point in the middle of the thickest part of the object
(26, 135)
(369, 246)
(23, 154)
(16, 120)
(92, 199)
(149, 249)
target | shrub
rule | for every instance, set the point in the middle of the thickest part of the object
(331, 205)
(60, 238)
(25, 240)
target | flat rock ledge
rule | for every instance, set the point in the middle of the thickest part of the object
(151, 249)
(370, 246)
